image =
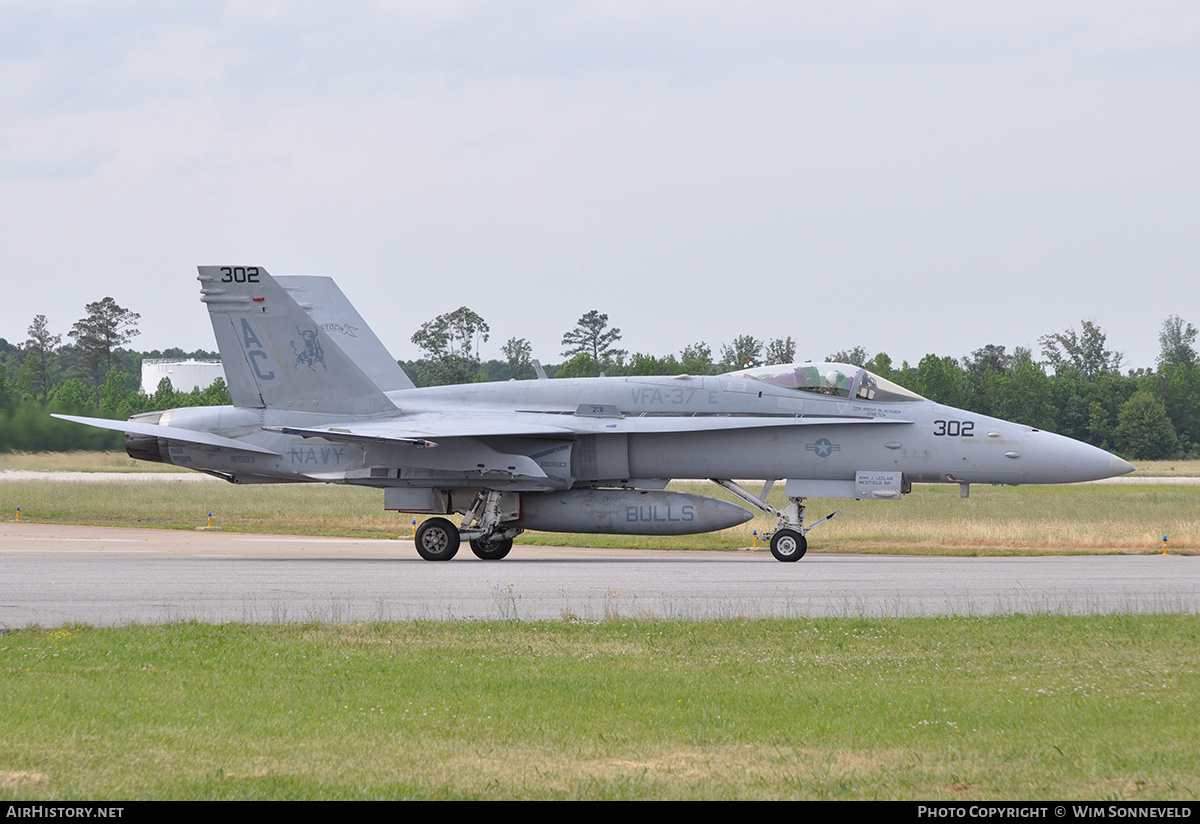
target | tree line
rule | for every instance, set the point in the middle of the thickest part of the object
(92, 375)
(1076, 388)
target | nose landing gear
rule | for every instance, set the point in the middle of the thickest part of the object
(788, 545)
(787, 541)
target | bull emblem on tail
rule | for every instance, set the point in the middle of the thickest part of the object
(312, 353)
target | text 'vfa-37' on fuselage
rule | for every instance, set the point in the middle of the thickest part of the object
(317, 398)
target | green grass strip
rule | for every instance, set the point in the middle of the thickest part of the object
(1018, 707)
(932, 520)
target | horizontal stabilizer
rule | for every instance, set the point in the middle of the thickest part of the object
(340, 434)
(459, 453)
(170, 433)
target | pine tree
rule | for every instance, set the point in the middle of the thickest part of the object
(41, 357)
(591, 336)
(106, 327)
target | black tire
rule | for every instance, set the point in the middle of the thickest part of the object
(491, 549)
(788, 545)
(437, 540)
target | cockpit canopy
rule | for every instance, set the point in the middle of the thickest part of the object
(837, 379)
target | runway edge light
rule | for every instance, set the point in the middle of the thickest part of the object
(210, 525)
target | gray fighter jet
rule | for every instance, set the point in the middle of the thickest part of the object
(316, 398)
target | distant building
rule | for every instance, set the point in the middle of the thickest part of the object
(185, 375)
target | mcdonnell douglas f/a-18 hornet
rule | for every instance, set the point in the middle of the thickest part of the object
(317, 398)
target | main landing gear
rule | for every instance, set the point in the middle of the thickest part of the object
(787, 541)
(491, 549)
(438, 539)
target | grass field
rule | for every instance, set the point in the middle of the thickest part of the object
(932, 520)
(1038, 707)
(1167, 469)
(80, 462)
(1013, 707)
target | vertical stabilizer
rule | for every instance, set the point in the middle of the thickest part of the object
(275, 355)
(325, 303)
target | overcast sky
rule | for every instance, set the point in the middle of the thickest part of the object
(908, 177)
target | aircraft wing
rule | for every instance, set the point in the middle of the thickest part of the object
(171, 433)
(416, 430)
(703, 423)
(424, 430)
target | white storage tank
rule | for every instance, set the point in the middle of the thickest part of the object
(185, 375)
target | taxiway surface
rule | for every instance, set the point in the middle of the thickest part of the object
(55, 575)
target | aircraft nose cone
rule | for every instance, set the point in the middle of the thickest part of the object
(1117, 466)
(1055, 459)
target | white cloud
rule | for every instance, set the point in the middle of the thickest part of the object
(908, 177)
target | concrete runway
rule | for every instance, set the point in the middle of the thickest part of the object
(55, 575)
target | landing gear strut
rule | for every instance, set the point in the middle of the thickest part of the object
(438, 539)
(787, 541)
